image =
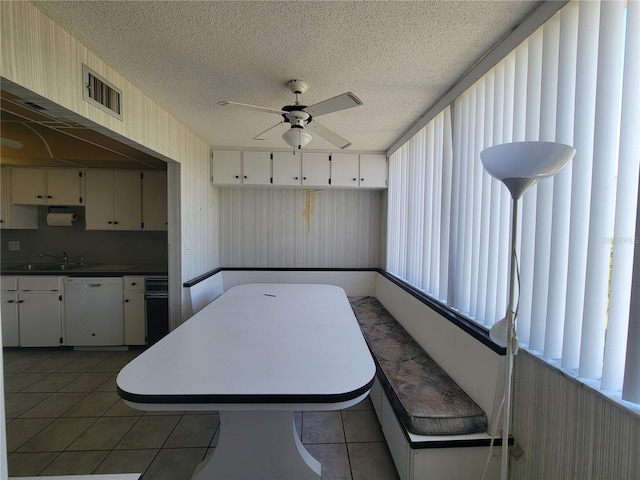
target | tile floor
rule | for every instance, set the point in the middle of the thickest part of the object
(65, 417)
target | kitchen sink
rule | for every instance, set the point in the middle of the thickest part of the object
(36, 267)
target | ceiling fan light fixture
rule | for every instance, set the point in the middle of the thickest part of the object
(297, 136)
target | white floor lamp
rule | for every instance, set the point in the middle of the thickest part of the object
(518, 165)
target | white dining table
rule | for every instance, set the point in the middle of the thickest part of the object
(257, 354)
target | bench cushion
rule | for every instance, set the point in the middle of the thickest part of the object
(426, 400)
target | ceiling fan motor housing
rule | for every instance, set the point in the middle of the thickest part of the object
(298, 86)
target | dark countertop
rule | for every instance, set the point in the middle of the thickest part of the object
(88, 270)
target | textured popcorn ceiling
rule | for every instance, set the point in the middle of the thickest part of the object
(398, 57)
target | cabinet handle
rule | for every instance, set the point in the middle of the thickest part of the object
(49, 196)
(362, 179)
(238, 176)
(38, 196)
(355, 179)
(245, 176)
(126, 300)
(133, 283)
(115, 223)
(304, 178)
(20, 301)
(295, 178)
(109, 222)
(11, 301)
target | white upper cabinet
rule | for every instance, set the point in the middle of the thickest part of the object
(113, 200)
(286, 168)
(256, 168)
(154, 200)
(316, 169)
(226, 167)
(19, 217)
(373, 170)
(345, 169)
(47, 186)
(299, 169)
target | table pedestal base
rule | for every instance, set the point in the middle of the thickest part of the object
(258, 445)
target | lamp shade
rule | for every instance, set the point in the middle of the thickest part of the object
(296, 136)
(520, 165)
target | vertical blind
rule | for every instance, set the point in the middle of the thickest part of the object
(576, 80)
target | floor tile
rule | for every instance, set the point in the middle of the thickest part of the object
(193, 431)
(52, 382)
(121, 409)
(333, 458)
(20, 430)
(127, 461)
(83, 364)
(29, 464)
(149, 432)
(21, 364)
(174, 464)
(86, 382)
(17, 404)
(109, 385)
(104, 434)
(20, 381)
(322, 427)
(371, 461)
(361, 426)
(50, 365)
(54, 405)
(75, 463)
(94, 404)
(58, 435)
(113, 363)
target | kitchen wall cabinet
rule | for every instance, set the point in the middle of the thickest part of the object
(134, 311)
(345, 169)
(114, 200)
(316, 169)
(226, 167)
(12, 216)
(154, 201)
(299, 169)
(373, 171)
(256, 168)
(47, 186)
(286, 169)
(39, 311)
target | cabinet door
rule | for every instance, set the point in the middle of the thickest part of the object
(256, 168)
(64, 186)
(373, 170)
(28, 186)
(345, 170)
(134, 318)
(286, 168)
(154, 201)
(39, 319)
(99, 201)
(15, 216)
(127, 200)
(226, 167)
(9, 317)
(316, 169)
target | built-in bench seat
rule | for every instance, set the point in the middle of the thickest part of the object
(425, 399)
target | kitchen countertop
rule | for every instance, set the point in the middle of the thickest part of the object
(86, 270)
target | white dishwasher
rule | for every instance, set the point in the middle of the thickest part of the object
(94, 311)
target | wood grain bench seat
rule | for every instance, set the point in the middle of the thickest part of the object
(426, 400)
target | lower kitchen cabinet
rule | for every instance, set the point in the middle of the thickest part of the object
(134, 314)
(9, 316)
(39, 319)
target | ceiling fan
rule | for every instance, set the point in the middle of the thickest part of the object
(299, 116)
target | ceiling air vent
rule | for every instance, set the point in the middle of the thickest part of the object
(101, 93)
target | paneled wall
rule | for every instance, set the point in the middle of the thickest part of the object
(299, 228)
(568, 431)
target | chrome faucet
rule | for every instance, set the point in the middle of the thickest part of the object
(64, 259)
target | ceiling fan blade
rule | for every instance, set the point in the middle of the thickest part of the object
(263, 135)
(252, 107)
(335, 104)
(329, 135)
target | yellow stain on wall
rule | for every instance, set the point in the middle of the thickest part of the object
(309, 206)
